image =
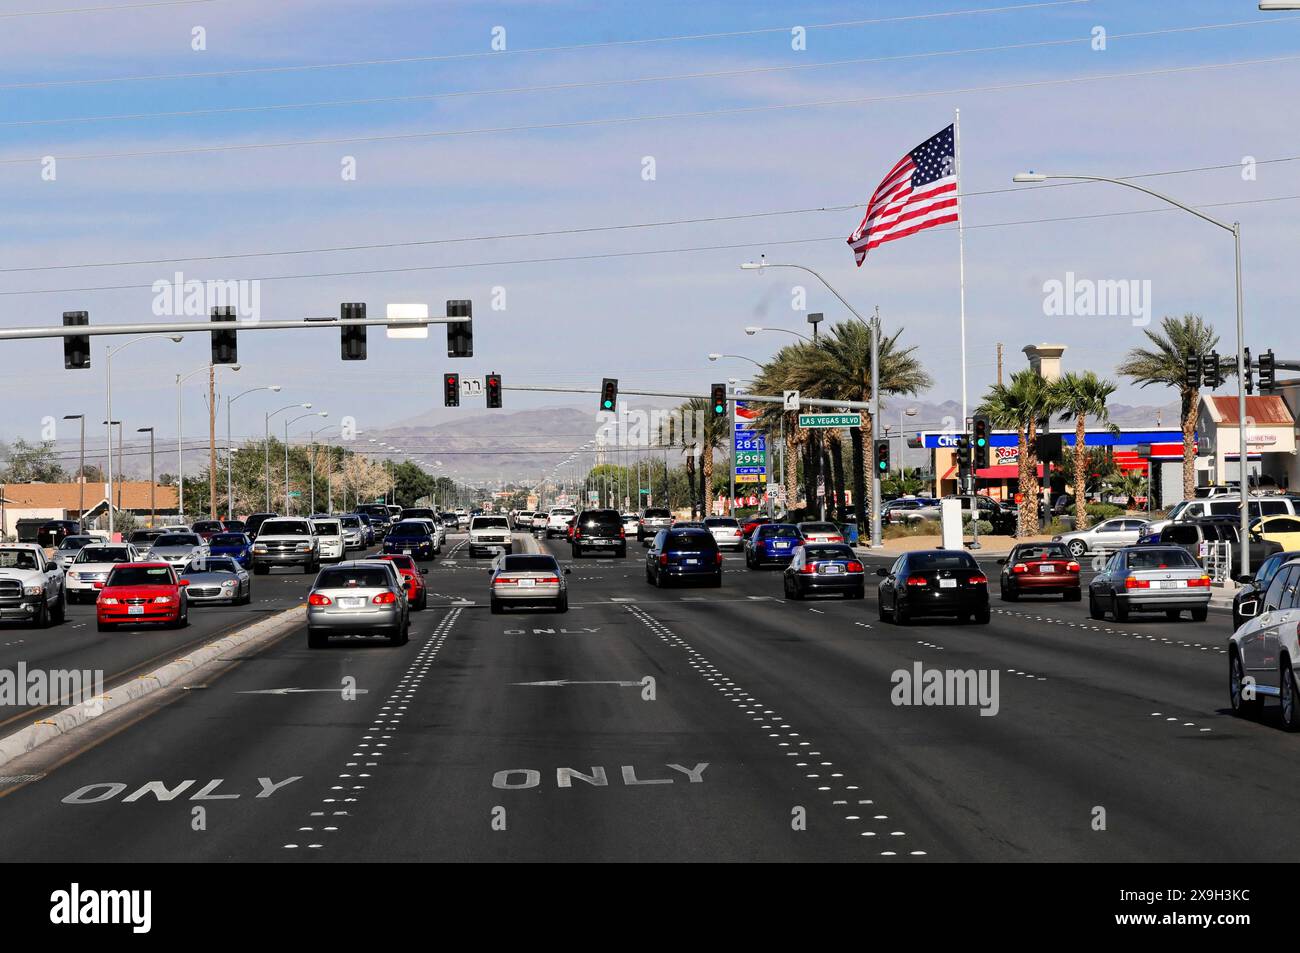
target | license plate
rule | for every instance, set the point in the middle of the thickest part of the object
(691, 562)
(782, 545)
(351, 603)
(947, 583)
(1046, 568)
(1170, 584)
(830, 570)
(603, 542)
(527, 583)
(135, 610)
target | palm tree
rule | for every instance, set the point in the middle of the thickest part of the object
(1082, 396)
(838, 367)
(1165, 362)
(1130, 484)
(772, 419)
(1019, 406)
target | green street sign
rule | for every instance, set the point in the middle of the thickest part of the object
(295, 493)
(830, 420)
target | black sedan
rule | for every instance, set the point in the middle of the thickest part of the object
(933, 582)
(824, 567)
(683, 554)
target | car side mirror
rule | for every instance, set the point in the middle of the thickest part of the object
(1244, 578)
(882, 571)
(182, 582)
(1002, 562)
(567, 571)
(1248, 609)
(424, 572)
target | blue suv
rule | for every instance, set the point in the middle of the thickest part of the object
(772, 544)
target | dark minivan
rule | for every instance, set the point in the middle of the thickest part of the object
(683, 554)
(599, 530)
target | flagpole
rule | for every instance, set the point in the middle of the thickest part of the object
(961, 259)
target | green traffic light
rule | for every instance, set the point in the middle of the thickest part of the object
(609, 404)
(718, 408)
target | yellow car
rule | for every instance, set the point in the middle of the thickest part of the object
(1279, 529)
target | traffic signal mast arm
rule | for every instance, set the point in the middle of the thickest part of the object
(731, 396)
(183, 327)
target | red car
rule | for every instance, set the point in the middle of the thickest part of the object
(750, 524)
(417, 593)
(1039, 569)
(142, 592)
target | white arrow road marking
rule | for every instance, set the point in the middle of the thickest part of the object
(559, 683)
(299, 691)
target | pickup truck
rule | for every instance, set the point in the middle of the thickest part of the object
(31, 586)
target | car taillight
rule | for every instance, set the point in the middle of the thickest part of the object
(978, 580)
(384, 599)
(1202, 582)
(1071, 567)
(1132, 582)
(548, 580)
(854, 566)
(577, 534)
(621, 534)
(917, 581)
(808, 569)
(718, 554)
(501, 581)
(1020, 567)
(316, 599)
(663, 559)
(834, 539)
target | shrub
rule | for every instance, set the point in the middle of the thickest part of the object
(1103, 511)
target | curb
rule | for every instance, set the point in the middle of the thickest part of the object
(27, 739)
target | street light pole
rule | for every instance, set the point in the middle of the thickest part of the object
(1235, 230)
(108, 378)
(153, 503)
(81, 470)
(266, 450)
(230, 448)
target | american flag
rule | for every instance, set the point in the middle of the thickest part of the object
(919, 192)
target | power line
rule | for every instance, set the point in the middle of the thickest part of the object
(635, 81)
(110, 9)
(445, 57)
(583, 230)
(597, 256)
(663, 117)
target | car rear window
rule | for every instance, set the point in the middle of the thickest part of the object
(814, 553)
(781, 530)
(1161, 559)
(402, 562)
(353, 577)
(228, 539)
(690, 542)
(1046, 551)
(178, 539)
(723, 521)
(563, 512)
(819, 527)
(140, 576)
(927, 562)
(527, 563)
(658, 514)
(593, 519)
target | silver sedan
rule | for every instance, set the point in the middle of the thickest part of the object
(1150, 579)
(1106, 537)
(522, 579)
(217, 579)
(357, 598)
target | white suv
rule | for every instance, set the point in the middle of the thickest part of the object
(329, 539)
(1262, 654)
(557, 521)
(489, 533)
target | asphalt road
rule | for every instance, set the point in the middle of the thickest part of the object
(767, 732)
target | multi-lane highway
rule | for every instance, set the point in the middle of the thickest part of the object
(662, 724)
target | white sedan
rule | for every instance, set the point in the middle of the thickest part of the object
(92, 565)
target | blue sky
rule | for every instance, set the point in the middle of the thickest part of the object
(648, 319)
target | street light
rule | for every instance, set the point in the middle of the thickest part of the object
(81, 470)
(1278, 6)
(266, 447)
(153, 503)
(737, 357)
(1235, 230)
(230, 449)
(287, 424)
(109, 352)
(751, 331)
(875, 372)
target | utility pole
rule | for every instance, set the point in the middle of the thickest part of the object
(153, 486)
(999, 363)
(212, 442)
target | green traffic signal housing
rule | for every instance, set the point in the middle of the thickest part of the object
(608, 393)
(980, 441)
(882, 456)
(718, 394)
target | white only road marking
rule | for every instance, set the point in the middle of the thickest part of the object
(298, 691)
(562, 682)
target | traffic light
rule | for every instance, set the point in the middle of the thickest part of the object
(1250, 377)
(608, 393)
(460, 334)
(76, 347)
(718, 399)
(963, 459)
(1192, 369)
(980, 425)
(225, 349)
(353, 336)
(451, 390)
(882, 457)
(1267, 370)
(493, 386)
(1211, 370)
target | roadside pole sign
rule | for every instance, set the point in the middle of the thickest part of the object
(791, 399)
(830, 420)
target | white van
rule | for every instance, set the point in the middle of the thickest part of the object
(1223, 506)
